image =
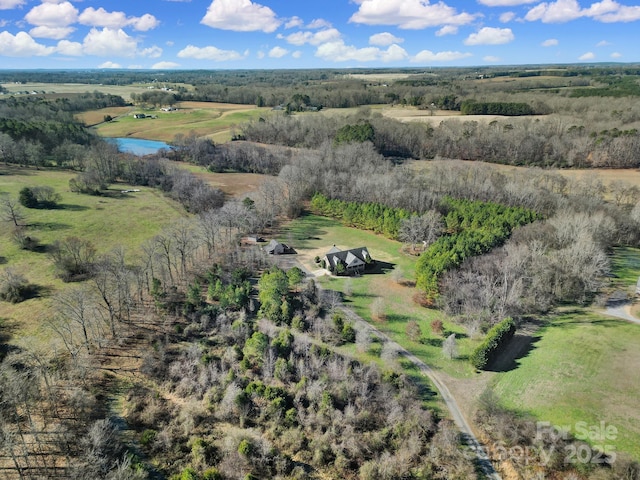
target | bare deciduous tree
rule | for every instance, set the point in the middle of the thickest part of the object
(450, 347)
(11, 211)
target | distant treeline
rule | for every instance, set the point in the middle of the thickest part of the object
(473, 107)
(46, 124)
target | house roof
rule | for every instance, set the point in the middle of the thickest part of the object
(356, 257)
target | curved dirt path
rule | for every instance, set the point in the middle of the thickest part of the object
(621, 310)
(468, 436)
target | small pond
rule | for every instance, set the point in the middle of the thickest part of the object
(138, 146)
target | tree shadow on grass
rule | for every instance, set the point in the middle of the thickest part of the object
(71, 207)
(3, 260)
(6, 332)
(423, 386)
(396, 317)
(51, 226)
(519, 347)
(379, 268)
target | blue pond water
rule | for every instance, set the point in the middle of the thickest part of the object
(138, 146)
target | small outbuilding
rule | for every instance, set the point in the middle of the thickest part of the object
(277, 248)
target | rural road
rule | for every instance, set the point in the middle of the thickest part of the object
(621, 310)
(470, 439)
(482, 458)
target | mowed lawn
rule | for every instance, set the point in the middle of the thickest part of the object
(312, 235)
(585, 367)
(108, 221)
(213, 120)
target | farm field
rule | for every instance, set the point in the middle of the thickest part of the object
(213, 120)
(124, 91)
(583, 368)
(235, 185)
(313, 235)
(103, 220)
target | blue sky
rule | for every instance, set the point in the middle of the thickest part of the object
(230, 34)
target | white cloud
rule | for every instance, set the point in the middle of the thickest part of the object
(317, 38)
(52, 15)
(490, 36)
(294, 22)
(505, 3)
(587, 56)
(240, 16)
(135, 66)
(409, 14)
(606, 11)
(9, 4)
(384, 39)
(491, 58)
(296, 54)
(151, 52)
(260, 54)
(22, 45)
(555, 12)
(109, 42)
(337, 51)
(109, 65)
(427, 56)
(72, 49)
(319, 23)
(550, 42)
(506, 17)
(616, 55)
(278, 52)
(55, 33)
(165, 65)
(209, 53)
(169, 43)
(115, 20)
(622, 14)
(447, 30)
(144, 23)
(603, 43)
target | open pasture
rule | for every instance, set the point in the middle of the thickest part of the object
(124, 91)
(108, 221)
(582, 368)
(213, 120)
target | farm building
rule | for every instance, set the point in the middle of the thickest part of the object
(277, 248)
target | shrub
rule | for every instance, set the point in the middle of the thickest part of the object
(436, 327)
(493, 343)
(14, 287)
(148, 437)
(27, 198)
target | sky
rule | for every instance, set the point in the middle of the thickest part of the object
(273, 34)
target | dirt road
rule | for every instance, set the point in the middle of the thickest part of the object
(469, 437)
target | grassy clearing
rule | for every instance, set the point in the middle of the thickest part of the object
(94, 117)
(124, 91)
(108, 221)
(313, 235)
(625, 265)
(212, 120)
(583, 368)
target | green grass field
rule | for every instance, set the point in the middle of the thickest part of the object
(108, 221)
(215, 121)
(313, 235)
(583, 368)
